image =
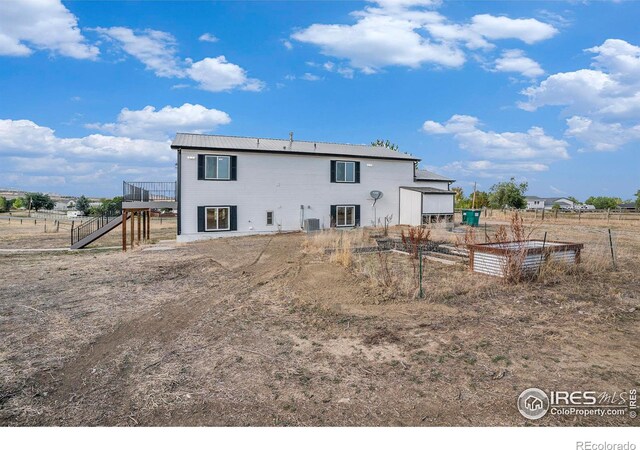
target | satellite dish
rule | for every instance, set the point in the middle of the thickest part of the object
(376, 195)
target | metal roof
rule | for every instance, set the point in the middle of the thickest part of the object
(204, 142)
(427, 190)
(427, 175)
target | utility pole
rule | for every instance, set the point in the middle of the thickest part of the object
(473, 203)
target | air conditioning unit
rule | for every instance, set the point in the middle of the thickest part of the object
(311, 225)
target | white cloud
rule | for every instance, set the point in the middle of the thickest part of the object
(287, 44)
(504, 152)
(26, 25)
(346, 72)
(526, 30)
(208, 37)
(603, 101)
(601, 136)
(310, 77)
(149, 123)
(534, 144)
(491, 169)
(378, 40)
(404, 33)
(516, 61)
(155, 49)
(216, 75)
(33, 157)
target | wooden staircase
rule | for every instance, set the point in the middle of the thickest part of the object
(95, 228)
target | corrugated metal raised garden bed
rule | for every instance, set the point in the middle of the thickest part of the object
(504, 259)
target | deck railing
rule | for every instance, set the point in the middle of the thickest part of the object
(149, 191)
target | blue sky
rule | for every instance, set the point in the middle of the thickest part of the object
(91, 93)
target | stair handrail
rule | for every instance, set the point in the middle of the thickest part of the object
(82, 231)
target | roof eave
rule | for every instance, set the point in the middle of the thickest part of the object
(294, 152)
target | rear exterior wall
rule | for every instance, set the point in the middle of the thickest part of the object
(282, 184)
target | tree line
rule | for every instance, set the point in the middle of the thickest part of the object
(38, 201)
(509, 194)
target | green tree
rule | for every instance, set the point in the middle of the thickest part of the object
(603, 202)
(508, 194)
(18, 203)
(112, 207)
(386, 144)
(638, 199)
(4, 204)
(482, 199)
(459, 201)
(37, 201)
(82, 205)
(574, 200)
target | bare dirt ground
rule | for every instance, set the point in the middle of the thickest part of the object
(262, 331)
(16, 235)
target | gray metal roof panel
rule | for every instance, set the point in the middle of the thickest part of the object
(202, 141)
(427, 175)
(427, 190)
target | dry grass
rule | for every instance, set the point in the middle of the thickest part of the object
(14, 235)
(254, 331)
(334, 238)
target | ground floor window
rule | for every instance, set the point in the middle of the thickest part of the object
(217, 218)
(269, 218)
(345, 216)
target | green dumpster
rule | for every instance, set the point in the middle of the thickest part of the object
(471, 217)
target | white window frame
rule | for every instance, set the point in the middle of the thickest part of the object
(218, 157)
(272, 219)
(346, 163)
(345, 215)
(217, 208)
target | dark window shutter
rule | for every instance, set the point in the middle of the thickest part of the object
(357, 169)
(357, 215)
(334, 214)
(201, 226)
(234, 167)
(200, 167)
(333, 172)
(233, 225)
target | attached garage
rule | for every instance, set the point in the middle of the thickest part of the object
(426, 205)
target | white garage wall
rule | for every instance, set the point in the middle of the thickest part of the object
(437, 203)
(410, 207)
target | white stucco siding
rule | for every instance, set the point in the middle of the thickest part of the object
(437, 203)
(410, 207)
(281, 183)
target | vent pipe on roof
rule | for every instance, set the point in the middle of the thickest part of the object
(258, 142)
(315, 146)
(290, 139)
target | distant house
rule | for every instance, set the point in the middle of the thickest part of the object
(64, 205)
(540, 203)
(627, 206)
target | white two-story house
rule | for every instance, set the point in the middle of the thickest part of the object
(238, 185)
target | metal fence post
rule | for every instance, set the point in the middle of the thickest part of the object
(421, 294)
(613, 256)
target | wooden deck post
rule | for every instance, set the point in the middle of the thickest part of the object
(148, 224)
(124, 230)
(139, 227)
(133, 226)
(144, 226)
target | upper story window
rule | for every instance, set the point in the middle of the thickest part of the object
(217, 167)
(345, 172)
